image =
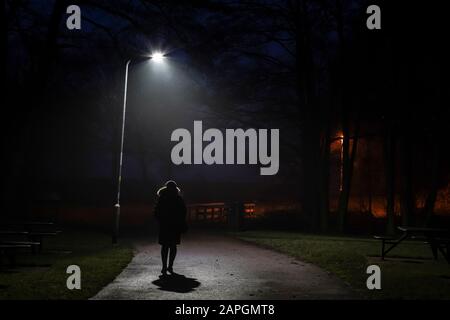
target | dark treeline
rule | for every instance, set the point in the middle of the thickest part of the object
(308, 67)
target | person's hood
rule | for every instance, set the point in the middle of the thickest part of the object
(164, 188)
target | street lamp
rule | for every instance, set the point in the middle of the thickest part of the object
(157, 57)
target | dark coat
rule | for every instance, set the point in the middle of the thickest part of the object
(170, 211)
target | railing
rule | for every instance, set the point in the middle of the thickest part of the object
(211, 212)
(219, 212)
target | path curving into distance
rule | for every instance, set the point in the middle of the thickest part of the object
(220, 267)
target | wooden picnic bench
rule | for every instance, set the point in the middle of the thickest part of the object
(35, 232)
(11, 238)
(10, 250)
(39, 237)
(29, 226)
(437, 239)
(24, 235)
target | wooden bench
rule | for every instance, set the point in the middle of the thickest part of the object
(443, 245)
(24, 235)
(385, 240)
(34, 231)
(11, 238)
(32, 244)
(437, 239)
(39, 237)
(12, 233)
(10, 251)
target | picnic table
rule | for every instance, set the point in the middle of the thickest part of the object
(10, 239)
(13, 233)
(438, 239)
(9, 250)
(15, 236)
(30, 225)
(33, 231)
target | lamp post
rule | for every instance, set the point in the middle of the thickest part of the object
(157, 57)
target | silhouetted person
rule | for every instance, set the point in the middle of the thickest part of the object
(170, 212)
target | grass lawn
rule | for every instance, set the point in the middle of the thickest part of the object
(348, 257)
(43, 276)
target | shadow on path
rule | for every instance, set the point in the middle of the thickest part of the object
(176, 283)
(221, 267)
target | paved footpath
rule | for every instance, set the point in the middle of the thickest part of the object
(220, 267)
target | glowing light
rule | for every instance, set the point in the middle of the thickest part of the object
(158, 57)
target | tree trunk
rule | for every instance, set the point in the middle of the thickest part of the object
(432, 195)
(325, 180)
(310, 136)
(347, 159)
(407, 201)
(389, 153)
(34, 120)
(348, 164)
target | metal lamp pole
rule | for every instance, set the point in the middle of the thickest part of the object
(157, 57)
(119, 177)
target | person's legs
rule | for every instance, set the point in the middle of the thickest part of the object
(172, 255)
(164, 254)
